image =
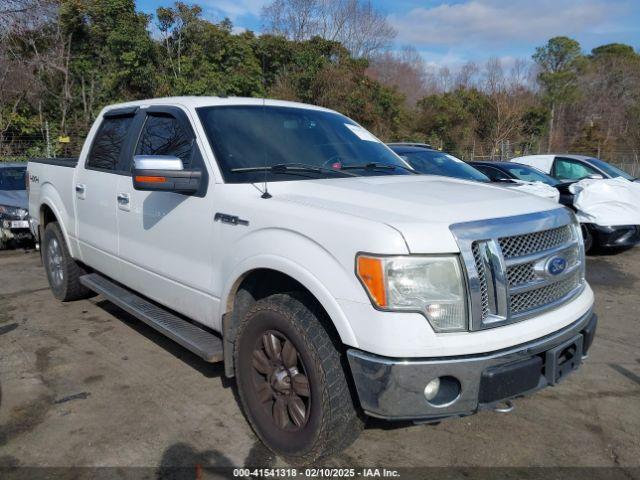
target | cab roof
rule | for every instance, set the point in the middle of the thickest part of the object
(193, 102)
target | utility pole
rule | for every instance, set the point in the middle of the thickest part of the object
(46, 131)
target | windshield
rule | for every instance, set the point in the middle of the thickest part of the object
(13, 178)
(432, 162)
(249, 136)
(529, 174)
(610, 169)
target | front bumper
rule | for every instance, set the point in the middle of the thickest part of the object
(393, 388)
(616, 236)
(14, 229)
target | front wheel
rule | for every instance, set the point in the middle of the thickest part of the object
(587, 237)
(291, 383)
(63, 272)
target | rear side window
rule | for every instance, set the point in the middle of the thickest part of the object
(105, 151)
(569, 169)
(493, 173)
(164, 135)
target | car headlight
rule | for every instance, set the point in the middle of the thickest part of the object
(15, 213)
(431, 285)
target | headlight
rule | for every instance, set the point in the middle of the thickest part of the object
(13, 212)
(433, 286)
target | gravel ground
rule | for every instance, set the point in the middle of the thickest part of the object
(85, 384)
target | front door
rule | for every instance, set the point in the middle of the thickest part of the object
(166, 238)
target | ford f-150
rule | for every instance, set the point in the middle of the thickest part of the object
(332, 280)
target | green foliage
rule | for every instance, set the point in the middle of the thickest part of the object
(452, 120)
(93, 53)
(617, 49)
(560, 61)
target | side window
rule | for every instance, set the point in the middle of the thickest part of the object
(163, 135)
(493, 173)
(570, 169)
(105, 151)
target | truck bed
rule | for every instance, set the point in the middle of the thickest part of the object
(51, 183)
(69, 162)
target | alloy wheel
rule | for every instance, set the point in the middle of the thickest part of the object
(54, 260)
(280, 381)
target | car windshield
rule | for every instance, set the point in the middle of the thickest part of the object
(610, 169)
(433, 162)
(312, 143)
(13, 178)
(529, 174)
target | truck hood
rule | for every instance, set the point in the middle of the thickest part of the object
(420, 207)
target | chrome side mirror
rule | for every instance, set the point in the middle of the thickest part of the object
(595, 176)
(157, 162)
(164, 173)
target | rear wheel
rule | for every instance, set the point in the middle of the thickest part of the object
(292, 386)
(63, 272)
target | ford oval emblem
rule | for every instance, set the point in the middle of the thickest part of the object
(556, 265)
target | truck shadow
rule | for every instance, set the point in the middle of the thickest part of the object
(182, 460)
(209, 370)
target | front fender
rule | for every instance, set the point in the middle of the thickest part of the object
(302, 259)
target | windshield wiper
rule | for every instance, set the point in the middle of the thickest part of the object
(292, 167)
(377, 166)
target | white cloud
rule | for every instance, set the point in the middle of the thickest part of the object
(435, 60)
(479, 23)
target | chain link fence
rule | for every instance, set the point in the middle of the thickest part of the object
(28, 146)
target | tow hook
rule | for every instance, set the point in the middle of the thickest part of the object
(504, 407)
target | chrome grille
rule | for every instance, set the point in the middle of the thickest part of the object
(519, 274)
(508, 262)
(519, 245)
(523, 273)
(532, 299)
(482, 279)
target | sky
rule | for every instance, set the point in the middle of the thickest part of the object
(451, 33)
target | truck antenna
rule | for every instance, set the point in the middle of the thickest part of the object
(265, 192)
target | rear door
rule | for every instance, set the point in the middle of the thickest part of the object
(95, 187)
(166, 243)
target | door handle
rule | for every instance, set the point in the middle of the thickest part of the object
(123, 202)
(80, 190)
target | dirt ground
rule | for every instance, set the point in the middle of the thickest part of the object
(85, 384)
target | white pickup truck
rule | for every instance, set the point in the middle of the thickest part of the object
(333, 281)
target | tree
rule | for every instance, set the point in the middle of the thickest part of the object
(507, 101)
(356, 24)
(560, 61)
(404, 70)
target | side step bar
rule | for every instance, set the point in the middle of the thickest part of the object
(190, 336)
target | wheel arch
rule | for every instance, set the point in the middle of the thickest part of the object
(49, 214)
(52, 209)
(261, 281)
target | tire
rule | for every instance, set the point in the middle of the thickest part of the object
(63, 272)
(291, 382)
(588, 238)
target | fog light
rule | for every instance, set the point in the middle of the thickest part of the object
(432, 388)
